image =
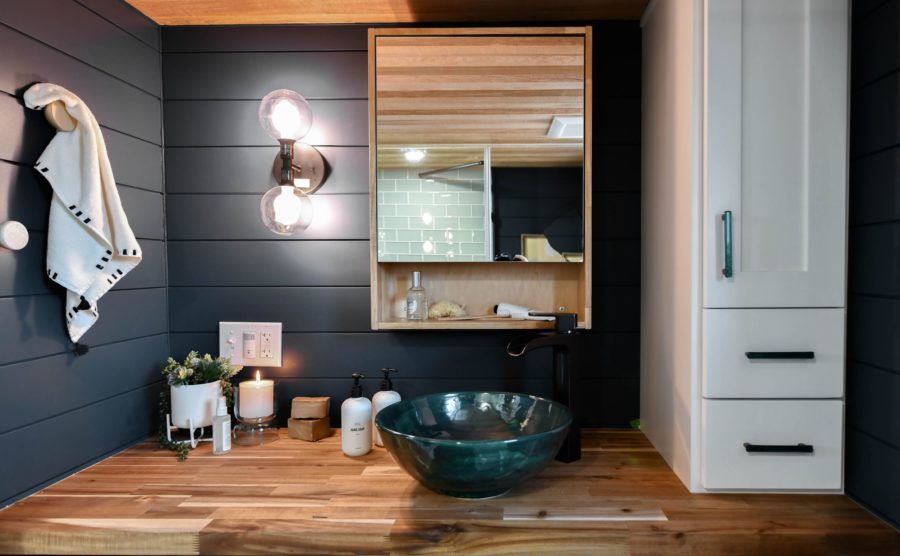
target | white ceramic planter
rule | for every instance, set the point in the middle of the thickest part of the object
(195, 402)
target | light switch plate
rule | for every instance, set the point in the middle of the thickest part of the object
(256, 344)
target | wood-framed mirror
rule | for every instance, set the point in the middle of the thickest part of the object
(479, 153)
(480, 147)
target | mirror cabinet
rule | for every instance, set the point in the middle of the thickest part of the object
(479, 171)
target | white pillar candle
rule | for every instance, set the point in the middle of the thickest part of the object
(256, 398)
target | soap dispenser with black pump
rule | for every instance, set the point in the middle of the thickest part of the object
(356, 421)
(383, 398)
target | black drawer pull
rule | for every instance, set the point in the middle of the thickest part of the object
(779, 448)
(780, 355)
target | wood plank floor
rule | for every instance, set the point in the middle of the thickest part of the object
(293, 497)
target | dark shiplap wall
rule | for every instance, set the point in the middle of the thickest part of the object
(873, 331)
(224, 265)
(58, 412)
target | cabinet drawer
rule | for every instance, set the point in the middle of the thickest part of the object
(772, 444)
(773, 353)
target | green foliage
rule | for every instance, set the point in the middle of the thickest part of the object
(181, 448)
(199, 370)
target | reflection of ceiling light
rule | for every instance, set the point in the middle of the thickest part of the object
(566, 127)
(427, 218)
(414, 155)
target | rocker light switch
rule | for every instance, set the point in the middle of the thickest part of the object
(255, 344)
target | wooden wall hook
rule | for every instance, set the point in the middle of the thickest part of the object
(59, 117)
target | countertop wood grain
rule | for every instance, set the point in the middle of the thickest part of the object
(294, 497)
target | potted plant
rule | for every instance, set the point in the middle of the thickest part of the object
(195, 385)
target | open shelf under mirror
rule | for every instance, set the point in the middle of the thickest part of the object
(480, 286)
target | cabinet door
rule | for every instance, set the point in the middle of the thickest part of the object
(776, 152)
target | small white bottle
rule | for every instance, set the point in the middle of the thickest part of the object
(416, 303)
(383, 398)
(356, 421)
(221, 428)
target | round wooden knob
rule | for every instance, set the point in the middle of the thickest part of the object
(13, 235)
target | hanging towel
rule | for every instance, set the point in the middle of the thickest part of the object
(90, 245)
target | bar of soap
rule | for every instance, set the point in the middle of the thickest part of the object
(309, 429)
(310, 408)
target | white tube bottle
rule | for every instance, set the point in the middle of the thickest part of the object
(383, 398)
(356, 421)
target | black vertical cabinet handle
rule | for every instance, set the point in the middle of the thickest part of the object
(780, 354)
(728, 269)
(779, 448)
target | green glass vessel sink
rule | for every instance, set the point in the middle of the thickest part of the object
(473, 444)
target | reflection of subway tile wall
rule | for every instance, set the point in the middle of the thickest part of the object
(437, 219)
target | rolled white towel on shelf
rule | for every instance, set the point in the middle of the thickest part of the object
(517, 312)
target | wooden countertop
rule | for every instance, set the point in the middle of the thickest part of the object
(294, 497)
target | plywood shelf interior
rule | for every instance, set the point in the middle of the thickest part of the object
(481, 285)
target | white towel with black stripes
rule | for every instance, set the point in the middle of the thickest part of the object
(90, 246)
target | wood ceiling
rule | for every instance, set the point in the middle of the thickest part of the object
(250, 12)
(478, 91)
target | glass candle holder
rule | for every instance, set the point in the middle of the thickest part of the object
(254, 411)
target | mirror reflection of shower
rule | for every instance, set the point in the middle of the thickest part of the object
(455, 204)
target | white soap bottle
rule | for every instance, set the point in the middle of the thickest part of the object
(383, 398)
(221, 428)
(356, 421)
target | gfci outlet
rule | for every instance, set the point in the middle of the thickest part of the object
(256, 344)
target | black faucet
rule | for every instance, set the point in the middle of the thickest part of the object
(562, 341)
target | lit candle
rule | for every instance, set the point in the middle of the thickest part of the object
(257, 398)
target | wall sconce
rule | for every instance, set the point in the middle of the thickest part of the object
(286, 209)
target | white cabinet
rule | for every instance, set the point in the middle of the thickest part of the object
(744, 205)
(773, 353)
(772, 444)
(776, 144)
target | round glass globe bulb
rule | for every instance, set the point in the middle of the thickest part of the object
(285, 114)
(286, 210)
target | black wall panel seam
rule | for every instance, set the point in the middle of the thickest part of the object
(103, 71)
(264, 51)
(275, 147)
(101, 299)
(278, 239)
(873, 223)
(155, 144)
(873, 296)
(259, 193)
(139, 188)
(873, 437)
(57, 353)
(71, 471)
(871, 11)
(852, 357)
(307, 287)
(874, 80)
(124, 30)
(243, 99)
(859, 156)
(157, 382)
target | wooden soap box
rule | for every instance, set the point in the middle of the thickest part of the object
(310, 408)
(309, 418)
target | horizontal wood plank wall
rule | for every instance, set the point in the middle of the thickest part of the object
(224, 264)
(873, 361)
(59, 412)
